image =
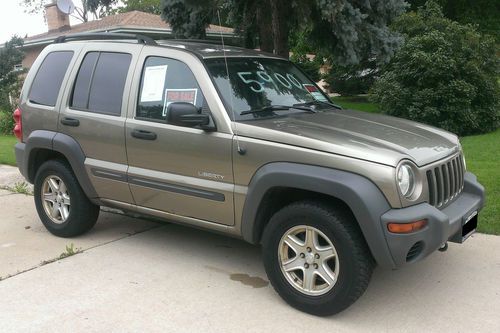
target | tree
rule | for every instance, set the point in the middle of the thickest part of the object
(346, 29)
(304, 56)
(186, 20)
(10, 56)
(444, 75)
(99, 8)
(252, 20)
(484, 13)
(147, 6)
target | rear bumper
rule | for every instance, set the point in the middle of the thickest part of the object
(22, 164)
(443, 225)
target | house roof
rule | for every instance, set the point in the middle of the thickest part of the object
(131, 22)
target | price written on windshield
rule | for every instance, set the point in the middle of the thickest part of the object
(286, 80)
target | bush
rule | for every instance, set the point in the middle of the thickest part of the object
(352, 80)
(6, 122)
(444, 75)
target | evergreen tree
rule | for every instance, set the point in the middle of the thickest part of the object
(349, 30)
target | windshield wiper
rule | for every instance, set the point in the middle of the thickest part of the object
(278, 108)
(316, 102)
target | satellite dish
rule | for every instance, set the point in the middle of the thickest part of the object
(66, 6)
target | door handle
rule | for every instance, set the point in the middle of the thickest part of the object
(70, 122)
(143, 135)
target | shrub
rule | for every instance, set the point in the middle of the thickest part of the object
(445, 74)
(352, 80)
(6, 122)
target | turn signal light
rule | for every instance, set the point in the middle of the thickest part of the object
(406, 228)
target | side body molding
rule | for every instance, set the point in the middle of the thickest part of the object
(362, 196)
(62, 144)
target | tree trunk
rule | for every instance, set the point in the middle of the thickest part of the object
(280, 10)
(264, 22)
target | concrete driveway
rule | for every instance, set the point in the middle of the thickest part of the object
(134, 275)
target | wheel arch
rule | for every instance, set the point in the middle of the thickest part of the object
(284, 182)
(43, 145)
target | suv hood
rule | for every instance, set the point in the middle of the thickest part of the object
(374, 137)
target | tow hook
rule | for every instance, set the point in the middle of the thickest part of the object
(444, 247)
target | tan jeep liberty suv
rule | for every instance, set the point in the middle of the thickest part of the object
(242, 143)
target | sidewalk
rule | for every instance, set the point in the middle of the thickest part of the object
(10, 176)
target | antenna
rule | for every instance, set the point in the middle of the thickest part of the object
(241, 151)
(66, 6)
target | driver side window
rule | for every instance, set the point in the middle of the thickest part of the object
(166, 81)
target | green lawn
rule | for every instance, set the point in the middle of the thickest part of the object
(7, 143)
(360, 103)
(483, 159)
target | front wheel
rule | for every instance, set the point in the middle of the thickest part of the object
(61, 203)
(316, 257)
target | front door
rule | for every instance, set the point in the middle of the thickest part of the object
(179, 170)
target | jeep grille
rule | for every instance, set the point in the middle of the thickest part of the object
(446, 181)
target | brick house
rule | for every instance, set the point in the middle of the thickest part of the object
(134, 22)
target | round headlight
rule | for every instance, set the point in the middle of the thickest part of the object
(406, 180)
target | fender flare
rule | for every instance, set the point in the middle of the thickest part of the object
(362, 196)
(63, 144)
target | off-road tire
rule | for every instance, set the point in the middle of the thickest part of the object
(356, 263)
(83, 213)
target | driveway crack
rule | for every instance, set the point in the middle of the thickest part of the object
(77, 252)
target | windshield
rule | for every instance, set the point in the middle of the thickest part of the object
(260, 87)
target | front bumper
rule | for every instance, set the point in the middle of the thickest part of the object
(443, 225)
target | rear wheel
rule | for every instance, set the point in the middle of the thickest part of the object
(60, 201)
(316, 258)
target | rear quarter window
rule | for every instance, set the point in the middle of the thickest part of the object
(48, 80)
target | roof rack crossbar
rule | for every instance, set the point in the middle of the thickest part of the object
(105, 36)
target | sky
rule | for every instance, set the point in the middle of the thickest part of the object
(13, 21)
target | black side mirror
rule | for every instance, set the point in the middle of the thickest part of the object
(188, 115)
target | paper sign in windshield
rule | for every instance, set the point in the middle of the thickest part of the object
(315, 93)
(179, 95)
(154, 81)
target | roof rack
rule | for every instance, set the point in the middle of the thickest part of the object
(105, 36)
(204, 41)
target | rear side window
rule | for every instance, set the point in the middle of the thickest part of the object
(48, 79)
(100, 82)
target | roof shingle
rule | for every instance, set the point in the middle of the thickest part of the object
(132, 20)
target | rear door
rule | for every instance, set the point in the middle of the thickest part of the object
(95, 111)
(178, 170)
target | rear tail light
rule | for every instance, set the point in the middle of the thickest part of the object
(18, 127)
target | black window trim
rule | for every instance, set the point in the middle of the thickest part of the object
(90, 84)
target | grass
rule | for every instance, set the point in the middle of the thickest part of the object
(7, 143)
(360, 103)
(21, 187)
(70, 251)
(483, 159)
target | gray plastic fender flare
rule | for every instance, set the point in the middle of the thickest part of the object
(63, 144)
(362, 196)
